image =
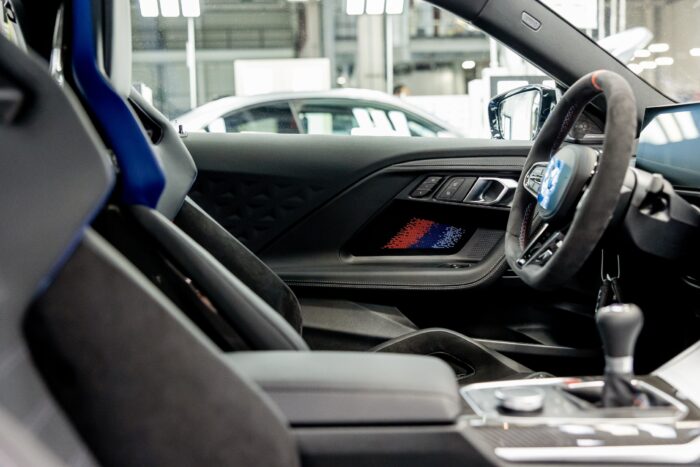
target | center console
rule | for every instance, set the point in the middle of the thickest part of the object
(562, 420)
(618, 418)
(357, 408)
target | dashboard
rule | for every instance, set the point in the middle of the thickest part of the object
(669, 144)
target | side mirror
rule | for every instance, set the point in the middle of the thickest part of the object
(519, 114)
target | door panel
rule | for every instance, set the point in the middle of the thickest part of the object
(320, 209)
(260, 186)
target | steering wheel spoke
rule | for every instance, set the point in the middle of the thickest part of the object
(542, 247)
(533, 178)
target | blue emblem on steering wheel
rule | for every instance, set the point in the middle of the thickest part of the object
(546, 198)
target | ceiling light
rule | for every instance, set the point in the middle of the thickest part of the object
(636, 68)
(355, 7)
(375, 7)
(149, 8)
(170, 8)
(394, 7)
(190, 8)
(648, 65)
(468, 64)
(659, 47)
(664, 61)
(642, 53)
(695, 51)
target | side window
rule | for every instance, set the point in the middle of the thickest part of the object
(419, 129)
(273, 118)
(332, 67)
(357, 117)
(319, 117)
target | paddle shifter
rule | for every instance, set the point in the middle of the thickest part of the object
(619, 327)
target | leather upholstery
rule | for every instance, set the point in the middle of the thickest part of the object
(347, 388)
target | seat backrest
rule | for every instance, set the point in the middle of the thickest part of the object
(53, 178)
(96, 363)
(238, 259)
(179, 171)
(144, 190)
(142, 385)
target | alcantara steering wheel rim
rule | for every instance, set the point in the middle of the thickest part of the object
(579, 189)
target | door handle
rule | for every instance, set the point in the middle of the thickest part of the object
(489, 191)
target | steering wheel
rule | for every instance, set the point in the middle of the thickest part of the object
(567, 194)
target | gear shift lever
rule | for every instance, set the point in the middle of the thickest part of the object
(619, 327)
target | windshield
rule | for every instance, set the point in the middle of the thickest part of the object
(657, 39)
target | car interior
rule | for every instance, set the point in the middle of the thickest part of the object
(418, 301)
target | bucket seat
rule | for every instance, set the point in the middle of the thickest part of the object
(84, 382)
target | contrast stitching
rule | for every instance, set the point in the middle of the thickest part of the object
(524, 226)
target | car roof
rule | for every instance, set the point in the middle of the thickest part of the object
(203, 115)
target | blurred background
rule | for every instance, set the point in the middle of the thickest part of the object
(402, 66)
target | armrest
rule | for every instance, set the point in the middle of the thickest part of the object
(351, 388)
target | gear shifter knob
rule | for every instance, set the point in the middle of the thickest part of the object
(619, 327)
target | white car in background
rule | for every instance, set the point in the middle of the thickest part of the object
(333, 112)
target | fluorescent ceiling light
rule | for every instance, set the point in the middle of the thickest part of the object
(375, 7)
(394, 7)
(355, 7)
(664, 61)
(149, 8)
(468, 64)
(695, 52)
(648, 65)
(636, 68)
(642, 53)
(659, 47)
(190, 8)
(170, 8)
